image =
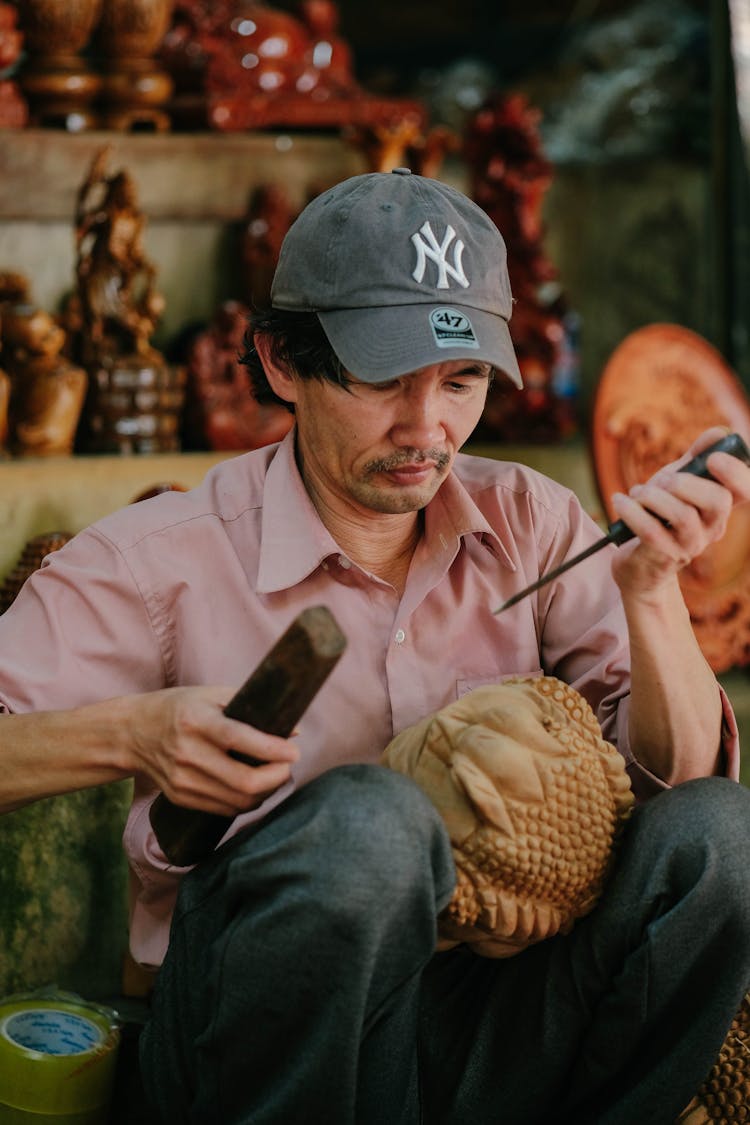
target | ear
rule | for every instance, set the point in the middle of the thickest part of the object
(281, 381)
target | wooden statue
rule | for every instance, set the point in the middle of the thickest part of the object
(244, 64)
(47, 391)
(521, 774)
(534, 801)
(509, 178)
(14, 289)
(120, 305)
(135, 396)
(403, 144)
(33, 554)
(220, 409)
(269, 218)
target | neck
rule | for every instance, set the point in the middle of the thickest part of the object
(379, 542)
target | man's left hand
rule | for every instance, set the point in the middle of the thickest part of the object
(676, 516)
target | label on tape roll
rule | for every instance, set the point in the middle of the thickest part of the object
(51, 1031)
(57, 1055)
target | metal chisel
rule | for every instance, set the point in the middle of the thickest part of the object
(619, 532)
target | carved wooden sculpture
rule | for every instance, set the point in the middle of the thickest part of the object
(13, 288)
(510, 176)
(136, 397)
(47, 391)
(724, 1098)
(663, 385)
(403, 144)
(120, 305)
(269, 217)
(533, 799)
(220, 410)
(244, 64)
(30, 559)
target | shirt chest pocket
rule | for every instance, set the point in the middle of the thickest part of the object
(463, 687)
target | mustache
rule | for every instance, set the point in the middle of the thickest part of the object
(408, 457)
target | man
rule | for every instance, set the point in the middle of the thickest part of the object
(298, 982)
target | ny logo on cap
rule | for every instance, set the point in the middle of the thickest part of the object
(427, 246)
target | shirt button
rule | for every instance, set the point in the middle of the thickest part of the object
(400, 636)
(344, 562)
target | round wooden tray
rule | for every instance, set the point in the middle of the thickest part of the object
(662, 386)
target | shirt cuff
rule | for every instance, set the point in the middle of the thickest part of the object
(646, 784)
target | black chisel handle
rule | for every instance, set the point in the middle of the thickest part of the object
(619, 532)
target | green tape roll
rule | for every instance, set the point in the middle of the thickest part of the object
(57, 1059)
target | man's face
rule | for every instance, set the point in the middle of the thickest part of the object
(387, 447)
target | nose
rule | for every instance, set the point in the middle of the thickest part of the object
(419, 424)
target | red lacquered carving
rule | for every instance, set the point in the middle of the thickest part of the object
(220, 410)
(247, 65)
(509, 178)
(662, 386)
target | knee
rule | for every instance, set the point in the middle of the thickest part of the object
(703, 828)
(713, 810)
(380, 829)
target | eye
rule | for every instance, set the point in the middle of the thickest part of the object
(379, 388)
(466, 384)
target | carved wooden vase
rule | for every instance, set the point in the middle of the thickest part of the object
(134, 405)
(135, 88)
(58, 83)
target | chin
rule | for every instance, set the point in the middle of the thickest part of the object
(405, 500)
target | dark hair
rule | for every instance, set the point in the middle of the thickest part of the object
(298, 342)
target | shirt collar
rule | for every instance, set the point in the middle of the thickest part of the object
(453, 513)
(294, 540)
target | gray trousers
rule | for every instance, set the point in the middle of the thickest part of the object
(301, 984)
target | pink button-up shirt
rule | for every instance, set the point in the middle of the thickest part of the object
(194, 588)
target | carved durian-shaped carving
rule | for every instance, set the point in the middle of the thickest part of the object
(724, 1097)
(533, 798)
(31, 558)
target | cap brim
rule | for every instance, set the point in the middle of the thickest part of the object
(381, 343)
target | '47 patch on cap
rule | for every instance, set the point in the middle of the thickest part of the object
(452, 329)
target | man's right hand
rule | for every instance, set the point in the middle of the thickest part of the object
(181, 738)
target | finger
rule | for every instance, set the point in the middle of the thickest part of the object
(652, 523)
(200, 719)
(208, 792)
(710, 498)
(232, 734)
(731, 472)
(704, 439)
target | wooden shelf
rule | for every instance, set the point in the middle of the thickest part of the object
(68, 493)
(178, 176)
